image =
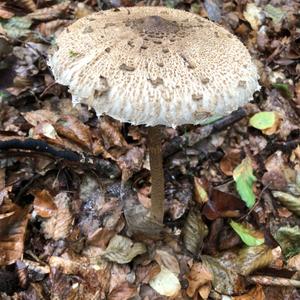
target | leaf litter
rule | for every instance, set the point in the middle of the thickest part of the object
(232, 194)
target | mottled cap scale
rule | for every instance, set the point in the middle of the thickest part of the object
(154, 65)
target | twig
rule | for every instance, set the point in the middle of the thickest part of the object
(105, 167)
(279, 281)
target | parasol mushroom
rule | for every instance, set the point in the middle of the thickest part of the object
(154, 66)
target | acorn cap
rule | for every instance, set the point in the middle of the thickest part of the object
(154, 65)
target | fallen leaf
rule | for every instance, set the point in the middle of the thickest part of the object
(289, 201)
(230, 161)
(231, 283)
(275, 13)
(200, 193)
(249, 236)
(59, 225)
(122, 250)
(73, 129)
(165, 283)
(123, 291)
(50, 13)
(250, 259)
(167, 260)
(253, 14)
(43, 203)
(294, 262)
(41, 115)
(289, 240)
(257, 293)
(13, 223)
(194, 231)
(17, 27)
(198, 276)
(145, 273)
(222, 205)
(244, 178)
(267, 121)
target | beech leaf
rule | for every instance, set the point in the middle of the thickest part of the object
(263, 120)
(244, 178)
(165, 283)
(122, 249)
(249, 236)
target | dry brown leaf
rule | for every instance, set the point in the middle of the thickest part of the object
(205, 290)
(68, 266)
(55, 26)
(5, 14)
(111, 134)
(59, 225)
(50, 13)
(198, 277)
(145, 273)
(101, 237)
(230, 161)
(131, 162)
(123, 291)
(43, 203)
(13, 222)
(167, 260)
(123, 250)
(257, 293)
(200, 193)
(28, 4)
(194, 231)
(73, 129)
(41, 115)
(294, 262)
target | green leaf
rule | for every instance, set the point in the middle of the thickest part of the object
(249, 236)
(244, 178)
(289, 240)
(284, 89)
(263, 120)
(275, 13)
(17, 27)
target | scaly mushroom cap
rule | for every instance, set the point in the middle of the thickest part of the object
(154, 65)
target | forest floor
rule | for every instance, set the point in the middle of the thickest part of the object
(69, 229)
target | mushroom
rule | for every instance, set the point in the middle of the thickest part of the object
(154, 66)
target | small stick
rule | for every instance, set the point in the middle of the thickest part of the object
(278, 281)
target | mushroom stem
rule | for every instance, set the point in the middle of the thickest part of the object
(157, 174)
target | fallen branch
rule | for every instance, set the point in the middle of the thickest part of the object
(102, 166)
(278, 281)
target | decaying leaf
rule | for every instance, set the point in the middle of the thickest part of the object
(257, 293)
(13, 222)
(43, 203)
(145, 273)
(28, 4)
(267, 121)
(165, 283)
(17, 27)
(244, 178)
(248, 235)
(231, 282)
(294, 262)
(200, 193)
(194, 231)
(58, 226)
(122, 250)
(230, 161)
(124, 291)
(167, 260)
(73, 129)
(250, 259)
(198, 276)
(291, 202)
(289, 240)
(41, 115)
(50, 13)
(253, 14)
(68, 266)
(222, 205)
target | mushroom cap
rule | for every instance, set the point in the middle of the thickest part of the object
(154, 65)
